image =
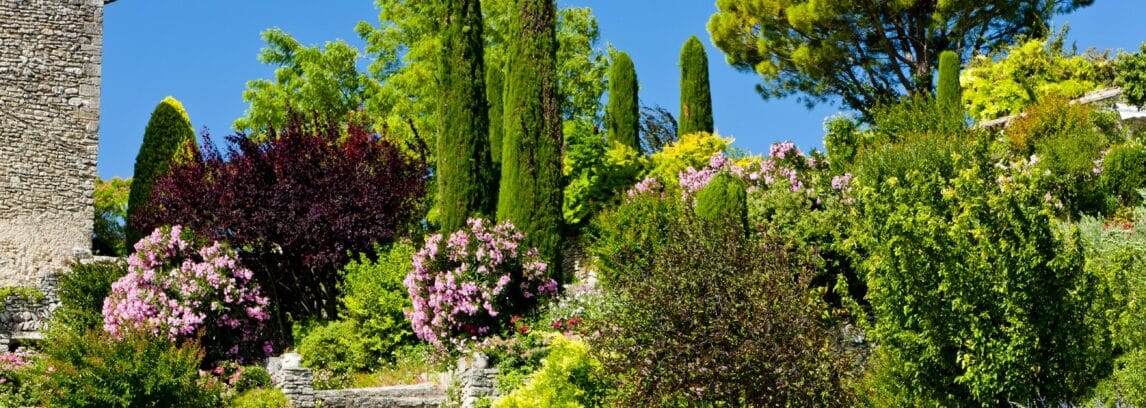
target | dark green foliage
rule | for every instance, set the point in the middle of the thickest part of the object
(168, 139)
(530, 195)
(723, 199)
(90, 369)
(624, 111)
(978, 298)
(718, 320)
(1124, 172)
(465, 177)
(695, 95)
(82, 289)
(494, 91)
(947, 91)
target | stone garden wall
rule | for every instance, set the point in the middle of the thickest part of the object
(50, 56)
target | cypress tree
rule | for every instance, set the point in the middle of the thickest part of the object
(169, 139)
(464, 166)
(947, 91)
(531, 190)
(624, 111)
(494, 89)
(695, 95)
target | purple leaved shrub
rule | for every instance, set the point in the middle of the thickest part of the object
(177, 289)
(469, 285)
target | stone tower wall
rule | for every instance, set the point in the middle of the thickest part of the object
(50, 55)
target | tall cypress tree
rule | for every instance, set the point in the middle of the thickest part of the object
(948, 93)
(695, 94)
(494, 89)
(168, 139)
(531, 195)
(465, 169)
(624, 111)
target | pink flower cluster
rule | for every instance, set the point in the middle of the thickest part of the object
(469, 286)
(647, 186)
(173, 289)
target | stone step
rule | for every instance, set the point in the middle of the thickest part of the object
(401, 396)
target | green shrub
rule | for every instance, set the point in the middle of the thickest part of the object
(82, 289)
(1126, 386)
(374, 297)
(169, 138)
(90, 369)
(978, 300)
(1124, 172)
(569, 377)
(717, 320)
(20, 379)
(625, 238)
(1131, 76)
(108, 229)
(252, 377)
(260, 398)
(337, 346)
(912, 118)
(723, 198)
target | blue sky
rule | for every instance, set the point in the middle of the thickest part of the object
(203, 52)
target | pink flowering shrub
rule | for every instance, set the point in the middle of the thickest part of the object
(786, 167)
(178, 290)
(468, 286)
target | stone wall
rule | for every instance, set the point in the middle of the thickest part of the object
(50, 55)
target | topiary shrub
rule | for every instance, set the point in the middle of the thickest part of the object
(169, 139)
(718, 320)
(471, 285)
(948, 93)
(93, 369)
(82, 289)
(723, 198)
(569, 377)
(175, 287)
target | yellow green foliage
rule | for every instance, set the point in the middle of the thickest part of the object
(691, 150)
(568, 377)
(1030, 71)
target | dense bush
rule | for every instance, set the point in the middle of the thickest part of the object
(978, 299)
(1067, 141)
(82, 289)
(168, 140)
(723, 199)
(468, 286)
(260, 398)
(569, 377)
(374, 297)
(624, 239)
(1131, 76)
(338, 347)
(93, 369)
(177, 289)
(718, 320)
(296, 207)
(596, 172)
(19, 380)
(1123, 173)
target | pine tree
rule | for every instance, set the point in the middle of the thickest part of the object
(947, 91)
(531, 192)
(624, 111)
(695, 95)
(168, 139)
(464, 166)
